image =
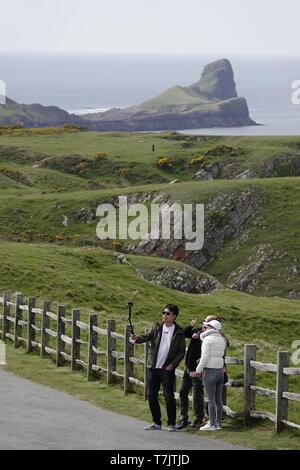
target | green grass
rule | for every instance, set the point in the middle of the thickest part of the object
(28, 215)
(137, 147)
(41, 257)
(175, 96)
(62, 151)
(91, 279)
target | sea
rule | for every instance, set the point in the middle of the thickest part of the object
(87, 83)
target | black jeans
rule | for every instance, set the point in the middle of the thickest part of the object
(156, 378)
(198, 396)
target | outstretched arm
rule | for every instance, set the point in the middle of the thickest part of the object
(143, 338)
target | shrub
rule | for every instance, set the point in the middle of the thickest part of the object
(100, 156)
(221, 149)
(164, 162)
(124, 171)
(116, 245)
(15, 175)
(198, 161)
(73, 127)
(219, 218)
(17, 130)
(82, 167)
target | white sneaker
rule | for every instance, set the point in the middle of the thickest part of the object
(218, 427)
(208, 427)
(153, 427)
(172, 428)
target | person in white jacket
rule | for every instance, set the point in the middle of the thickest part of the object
(211, 365)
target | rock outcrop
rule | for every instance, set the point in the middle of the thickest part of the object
(217, 81)
(84, 215)
(226, 216)
(247, 277)
(210, 172)
(35, 115)
(184, 280)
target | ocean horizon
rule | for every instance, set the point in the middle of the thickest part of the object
(87, 83)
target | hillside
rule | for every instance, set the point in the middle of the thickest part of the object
(93, 279)
(248, 272)
(251, 223)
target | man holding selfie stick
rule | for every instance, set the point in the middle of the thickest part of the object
(167, 349)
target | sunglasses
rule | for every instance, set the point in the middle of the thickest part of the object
(167, 313)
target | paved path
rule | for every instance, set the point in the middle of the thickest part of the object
(37, 417)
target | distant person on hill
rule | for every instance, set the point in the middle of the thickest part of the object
(211, 366)
(167, 349)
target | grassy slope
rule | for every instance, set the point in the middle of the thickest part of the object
(34, 216)
(278, 221)
(90, 278)
(175, 96)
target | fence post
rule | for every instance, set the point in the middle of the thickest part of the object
(146, 351)
(282, 385)
(61, 330)
(75, 337)
(249, 379)
(45, 326)
(93, 342)
(18, 317)
(31, 322)
(111, 346)
(128, 365)
(6, 312)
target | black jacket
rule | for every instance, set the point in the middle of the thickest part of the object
(177, 347)
(194, 349)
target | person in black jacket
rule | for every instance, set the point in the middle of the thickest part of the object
(192, 356)
(167, 349)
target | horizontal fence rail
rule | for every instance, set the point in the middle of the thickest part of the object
(24, 331)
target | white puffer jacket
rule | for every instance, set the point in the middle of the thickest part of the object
(213, 350)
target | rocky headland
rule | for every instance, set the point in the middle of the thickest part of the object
(210, 102)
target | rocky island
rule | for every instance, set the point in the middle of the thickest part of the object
(211, 102)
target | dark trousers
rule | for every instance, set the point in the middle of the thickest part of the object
(198, 396)
(156, 378)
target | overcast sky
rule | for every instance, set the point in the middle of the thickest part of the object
(243, 27)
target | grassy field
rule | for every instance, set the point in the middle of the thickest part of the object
(48, 176)
(137, 147)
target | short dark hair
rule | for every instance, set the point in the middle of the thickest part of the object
(173, 308)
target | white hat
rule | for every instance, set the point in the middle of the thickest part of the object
(215, 324)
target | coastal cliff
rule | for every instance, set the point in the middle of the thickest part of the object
(211, 102)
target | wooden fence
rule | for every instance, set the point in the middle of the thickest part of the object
(24, 331)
